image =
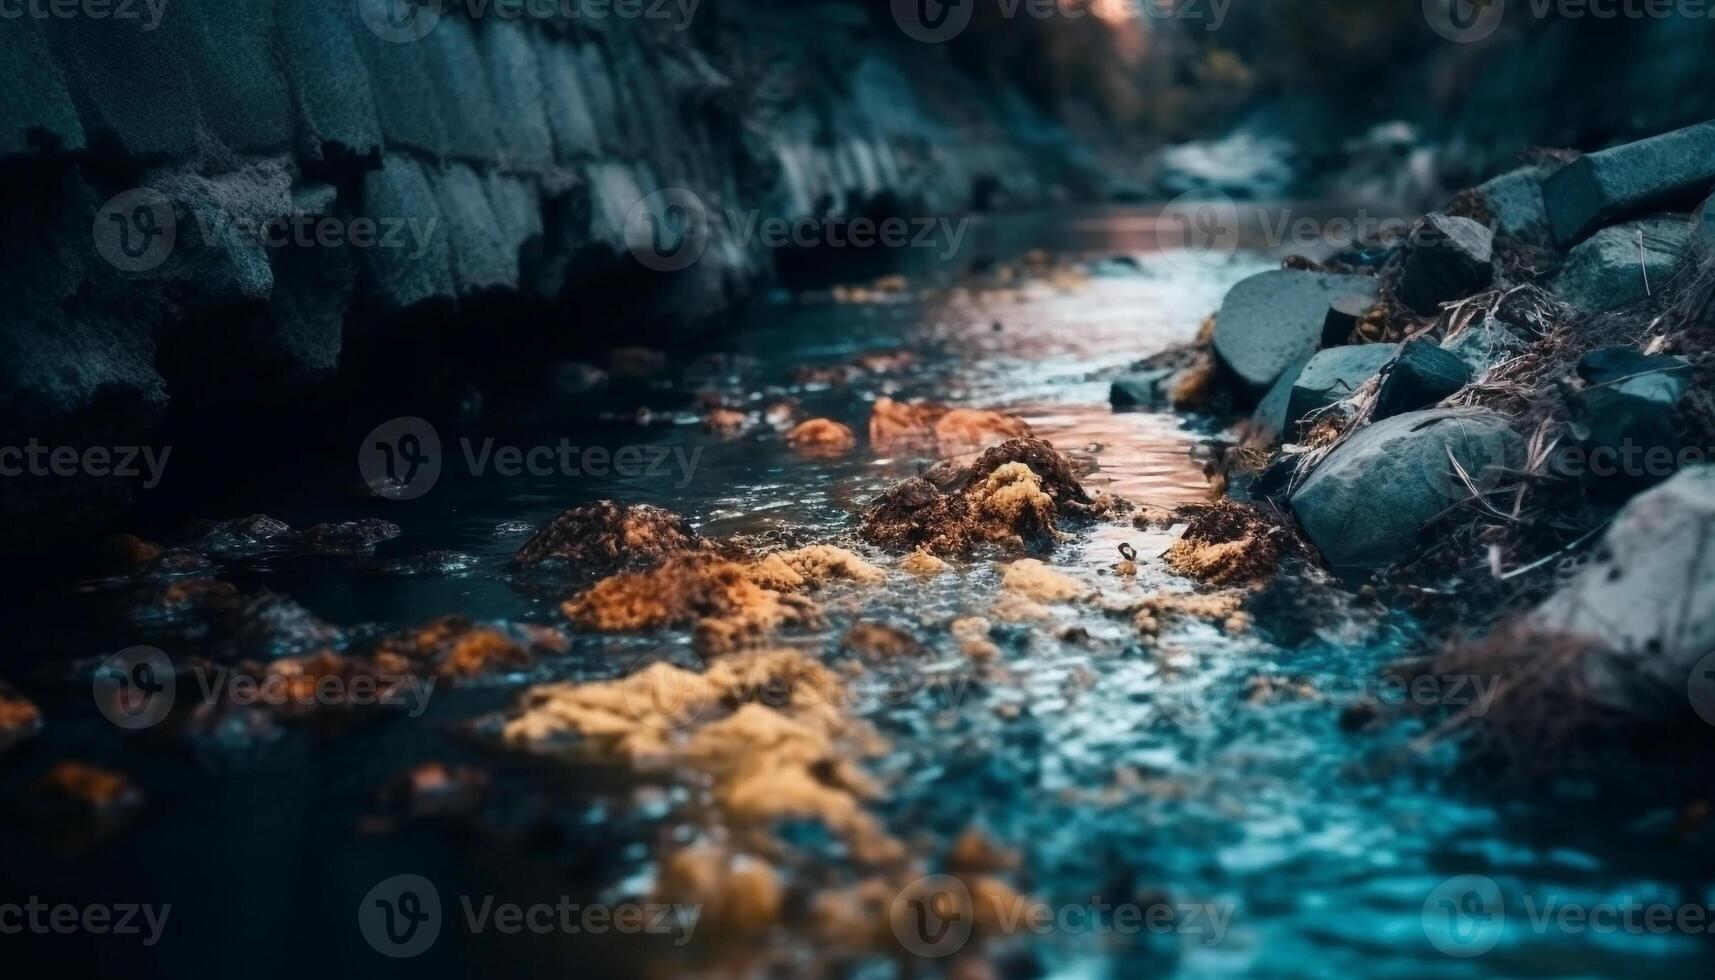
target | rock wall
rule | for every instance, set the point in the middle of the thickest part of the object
(498, 158)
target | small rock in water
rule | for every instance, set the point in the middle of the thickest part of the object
(821, 437)
(1448, 258)
(447, 564)
(19, 719)
(1141, 389)
(879, 641)
(1420, 376)
(245, 536)
(83, 806)
(347, 537)
(599, 539)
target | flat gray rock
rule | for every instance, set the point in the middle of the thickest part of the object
(1597, 189)
(1274, 320)
(1368, 503)
(1622, 265)
(1648, 597)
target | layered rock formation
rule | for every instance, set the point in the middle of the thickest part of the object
(225, 206)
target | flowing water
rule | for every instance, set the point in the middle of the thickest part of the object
(1115, 769)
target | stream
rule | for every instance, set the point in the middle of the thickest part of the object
(1210, 769)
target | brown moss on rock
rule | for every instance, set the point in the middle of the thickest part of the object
(456, 647)
(1227, 543)
(719, 599)
(605, 537)
(1034, 580)
(19, 718)
(768, 730)
(82, 806)
(1012, 495)
(738, 894)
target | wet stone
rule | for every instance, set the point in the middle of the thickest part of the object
(1601, 187)
(1448, 259)
(1274, 320)
(81, 806)
(1420, 376)
(1332, 375)
(1624, 417)
(1623, 265)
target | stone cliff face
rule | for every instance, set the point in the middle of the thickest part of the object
(220, 206)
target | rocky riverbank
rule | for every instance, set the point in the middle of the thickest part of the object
(1504, 417)
(304, 205)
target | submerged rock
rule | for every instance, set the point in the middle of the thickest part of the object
(1648, 599)
(1331, 376)
(83, 806)
(1622, 265)
(19, 719)
(821, 437)
(1421, 375)
(1448, 259)
(1367, 504)
(1274, 320)
(605, 537)
(1598, 188)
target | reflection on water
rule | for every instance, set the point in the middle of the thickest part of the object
(1117, 769)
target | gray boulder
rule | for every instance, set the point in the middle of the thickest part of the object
(1275, 319)
(1597, 189)
(1370, 501)
(1332, 375)
(1623, 419)
(1622, 265)
(1448, 258)
(1514, 201)
(1648, 598)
